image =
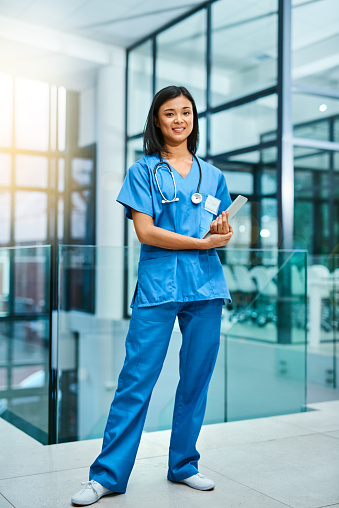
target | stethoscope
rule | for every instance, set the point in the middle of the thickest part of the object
(196, 198)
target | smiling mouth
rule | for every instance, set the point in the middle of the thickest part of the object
(179, 129)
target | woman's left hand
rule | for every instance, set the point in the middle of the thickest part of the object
(220, 225)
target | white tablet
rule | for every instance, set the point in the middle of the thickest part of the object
(232, 209)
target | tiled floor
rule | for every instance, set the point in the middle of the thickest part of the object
(290, 460)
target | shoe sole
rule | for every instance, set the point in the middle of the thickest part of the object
(91, 502)
(193, 487)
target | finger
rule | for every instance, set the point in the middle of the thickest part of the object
(225, 223)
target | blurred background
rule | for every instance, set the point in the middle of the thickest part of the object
(76, 82)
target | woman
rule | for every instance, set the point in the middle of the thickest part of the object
(173, 198)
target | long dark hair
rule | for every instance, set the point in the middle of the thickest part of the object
(153, 138)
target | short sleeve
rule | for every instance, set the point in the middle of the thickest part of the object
(136, 191)
(223, 194)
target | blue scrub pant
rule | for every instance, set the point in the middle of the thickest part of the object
(146, 347)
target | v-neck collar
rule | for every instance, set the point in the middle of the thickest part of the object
(183, 177)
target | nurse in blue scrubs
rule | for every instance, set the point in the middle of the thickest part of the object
(173, 198)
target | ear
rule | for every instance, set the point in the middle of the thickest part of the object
(156, 121)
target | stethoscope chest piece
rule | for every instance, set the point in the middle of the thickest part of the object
(196, 198)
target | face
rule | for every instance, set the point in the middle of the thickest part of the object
(175, 120)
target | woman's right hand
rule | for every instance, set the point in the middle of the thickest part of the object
(218, 240)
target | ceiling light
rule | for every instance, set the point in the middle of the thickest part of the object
(265, 233)
(322, 107)
(242, 228)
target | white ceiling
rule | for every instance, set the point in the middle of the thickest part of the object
(66, 41)
(110, 21)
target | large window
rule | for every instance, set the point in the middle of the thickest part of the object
(228, 56)
(46, 179)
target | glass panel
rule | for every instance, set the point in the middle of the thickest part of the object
(61, 175)
(262, 332)
(313, 188)
(31, 114)
(80, 214)
(5, 169)
(244, 125)
(30, 216)
(310, 118)
(6, 108)
(265, 333)
(82, 172)
(181, 57)
(31, 171)
(244, 48)
(3, 379)
(201, 152)
(4, 326)
(60, 218)
(140, 86)
(315, 39)
(269, 224)
(134, 151)
(61, 119)
(24, 343)
(5, 219)
(30, 339)
(53, 117)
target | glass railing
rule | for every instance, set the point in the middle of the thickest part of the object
(261, 367)
(323, 324)
(25, 338)
(66, 393)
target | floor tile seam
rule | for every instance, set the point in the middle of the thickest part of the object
(40, 473)
(70, 469)
(247, 486)
(307, 428)
(8, 501)
(249, 443)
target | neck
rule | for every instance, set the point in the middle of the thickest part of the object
(177, 152)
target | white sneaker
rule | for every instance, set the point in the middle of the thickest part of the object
(199, 481)
(91, 493)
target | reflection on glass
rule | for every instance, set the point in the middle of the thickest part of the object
(6, 108)
(82, 172)
(53, 117)
(30, 341)
(30, 271)
(244, 125)
(24, 343)
(181, 57)
(5, 217)
(4, 287)
(315, 40)
(308, 118)
(31, 171)
(5, 169)
(201, 152)
(61, 119)
(30, 217)
(244, 48)
(134, 151)
(140, 86)
(31, 114)
(79, 214)
(61, 175)
(269, 227)
(60, 218)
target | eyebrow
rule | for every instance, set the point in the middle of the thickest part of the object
(172, 109)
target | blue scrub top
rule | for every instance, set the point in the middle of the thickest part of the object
(176, 275)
